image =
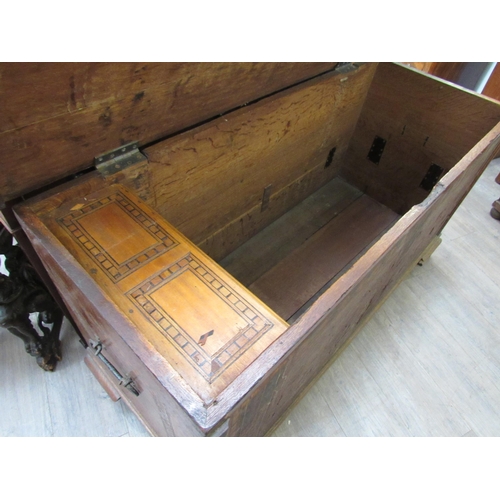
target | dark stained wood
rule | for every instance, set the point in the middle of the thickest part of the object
(271, 245)
(495, 209)
(4, 222)
(209, 182)
(424, 122)
(298, 277)
(56, 117)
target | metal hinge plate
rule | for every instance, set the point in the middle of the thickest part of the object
(123, 157)
(345, 67)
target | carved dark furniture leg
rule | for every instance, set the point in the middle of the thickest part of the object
(23, 293)
(495, 209)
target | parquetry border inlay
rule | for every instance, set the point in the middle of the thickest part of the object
(116, 271)
(210, 367)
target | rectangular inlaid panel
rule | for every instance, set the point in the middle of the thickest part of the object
(211, 337)
(205, 324)
(117, 234)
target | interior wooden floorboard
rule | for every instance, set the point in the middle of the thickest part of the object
(290, 262)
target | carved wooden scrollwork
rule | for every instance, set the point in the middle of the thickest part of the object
(23, 293)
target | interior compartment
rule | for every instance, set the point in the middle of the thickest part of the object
(286, 194)
(293, 259)
(307, 197)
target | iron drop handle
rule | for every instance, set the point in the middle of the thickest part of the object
(124, 381)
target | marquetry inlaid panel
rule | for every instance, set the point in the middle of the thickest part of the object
(211, 338)
(192, 312)
(116, 234)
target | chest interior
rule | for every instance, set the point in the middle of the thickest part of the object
(287, 193)
(274, 201)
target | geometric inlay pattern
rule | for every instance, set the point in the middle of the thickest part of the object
(156, 242)
(251, 325)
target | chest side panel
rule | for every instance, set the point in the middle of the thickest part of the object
(412, 130)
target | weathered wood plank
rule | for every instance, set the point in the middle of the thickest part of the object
(56, 117)
(230, 237)
(332, 319)
(425, 121)
(295, 279)
(215, 175)
(259, 254)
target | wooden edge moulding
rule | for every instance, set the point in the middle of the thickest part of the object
(218, 265)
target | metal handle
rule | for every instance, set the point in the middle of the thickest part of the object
(124, 381)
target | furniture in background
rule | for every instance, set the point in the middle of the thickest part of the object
(22, 293)
(495, 209)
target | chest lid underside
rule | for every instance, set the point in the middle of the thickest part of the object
(58, 117)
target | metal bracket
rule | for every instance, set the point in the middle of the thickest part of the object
(116, 160)
(124, 381)
(376, 150)
(345, 67)
(432, 177)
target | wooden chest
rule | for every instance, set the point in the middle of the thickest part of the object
(218, 265)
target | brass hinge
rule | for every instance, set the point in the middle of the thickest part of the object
(123, 157)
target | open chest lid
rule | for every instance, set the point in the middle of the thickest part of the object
(57, 117)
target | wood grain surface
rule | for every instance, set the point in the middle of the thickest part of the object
(433, 374)
(424, 121)
(56, 117)
(122, 288)
(275, 242)
(210, 182)
(164, 285)
(291, 283)
(335, 316)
